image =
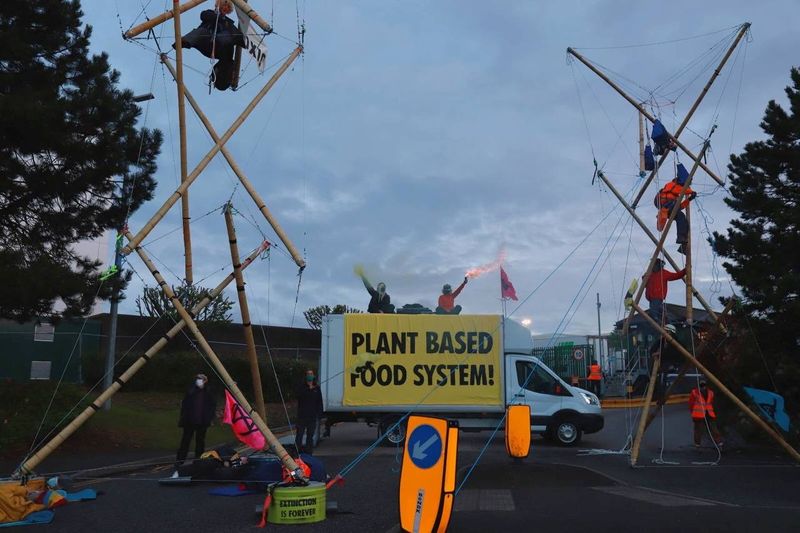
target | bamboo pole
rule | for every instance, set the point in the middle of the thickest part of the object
(186, 219)
(248, 10)
(641, 144)
(33, 461)
(155, 21)
(721, 387)
(245, 310)
(653, 238)
(660, 245)
(687, 366)
(688, 277)
(651, 386)
(262, 206)
(283, 455)
(148, 227)
(742, 32)
(644, 112)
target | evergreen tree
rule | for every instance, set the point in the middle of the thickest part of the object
(762, 252)
(72, 162)
(763, 244)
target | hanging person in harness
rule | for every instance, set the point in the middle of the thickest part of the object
(704, 419)
(665, 201)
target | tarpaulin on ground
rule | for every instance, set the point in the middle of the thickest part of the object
(433, 359)
(15, 504)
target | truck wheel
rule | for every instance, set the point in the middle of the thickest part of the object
(566, 432)
(395, 433)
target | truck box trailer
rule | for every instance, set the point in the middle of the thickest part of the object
(379, 367)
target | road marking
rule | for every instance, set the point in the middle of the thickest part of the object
(656, 498)
(484, 500)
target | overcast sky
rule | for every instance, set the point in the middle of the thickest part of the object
(420, 138)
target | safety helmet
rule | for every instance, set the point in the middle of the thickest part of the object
(447, 289)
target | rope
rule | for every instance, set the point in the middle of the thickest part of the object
(656, 43)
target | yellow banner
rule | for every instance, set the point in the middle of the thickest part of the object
(429, 359)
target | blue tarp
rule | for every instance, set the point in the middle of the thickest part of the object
(771, 405)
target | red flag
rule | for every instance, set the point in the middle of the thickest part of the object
(506, 288)
(242, 425)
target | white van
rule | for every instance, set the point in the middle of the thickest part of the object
(377, 368)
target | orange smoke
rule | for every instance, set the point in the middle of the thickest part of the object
(473, 273)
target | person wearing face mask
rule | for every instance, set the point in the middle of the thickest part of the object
(197, 411)
(380, 302)
(309, 409)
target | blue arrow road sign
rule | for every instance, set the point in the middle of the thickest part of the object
(425, 446)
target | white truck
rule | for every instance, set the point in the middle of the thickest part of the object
(379, 367)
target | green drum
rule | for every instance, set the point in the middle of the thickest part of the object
(298, 505)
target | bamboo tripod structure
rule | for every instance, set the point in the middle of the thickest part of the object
(691, 292)
(245, 310)
(134, 244)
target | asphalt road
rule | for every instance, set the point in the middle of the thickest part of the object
(587, 488)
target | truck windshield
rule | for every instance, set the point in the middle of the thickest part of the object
(541, 381)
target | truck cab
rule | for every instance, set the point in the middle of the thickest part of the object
(559, 412)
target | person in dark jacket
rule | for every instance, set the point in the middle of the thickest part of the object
(197, 411)
(379, 301)
(309, 409)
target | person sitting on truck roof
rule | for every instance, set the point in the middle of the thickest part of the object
(380, 302)
(447, 300)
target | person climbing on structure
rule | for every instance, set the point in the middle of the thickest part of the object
(704, 419)
(656, 289)
(665, 201)
(447, 300)
(380, 302)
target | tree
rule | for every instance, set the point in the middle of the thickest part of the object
(314, 315)
(763, 245)
(153, 302)
(72, 162)
(762, 252)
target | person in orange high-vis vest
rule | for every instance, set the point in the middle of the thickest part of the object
(595, 377)
(665, 200)
(701, 405)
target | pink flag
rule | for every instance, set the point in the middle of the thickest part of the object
(242, 425)
(506, 288)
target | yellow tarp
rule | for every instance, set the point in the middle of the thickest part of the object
(14, 502)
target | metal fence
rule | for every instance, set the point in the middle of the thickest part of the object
(568, 360)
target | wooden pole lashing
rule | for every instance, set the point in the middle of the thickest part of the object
(721, 386)
(155, 21)
(245, 310)
(28, 466)
(251, 190)
(644, 112)
(162, 211)
(185, 217)
(742, 32)
(651, 386)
